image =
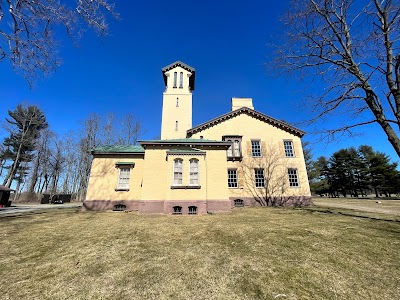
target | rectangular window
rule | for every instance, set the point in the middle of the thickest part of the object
(178, 171)
(288, 146)
(175, 79)
(256, 148)
(293, 177)
(181, 80)
(259, 178)
(194, 172)
(123, 178)
(232, 179)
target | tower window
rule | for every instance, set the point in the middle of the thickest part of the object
(176, 125)
(177, 102)
(181, 80)
(175, 79)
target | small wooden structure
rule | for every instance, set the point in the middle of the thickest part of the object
(5, 195)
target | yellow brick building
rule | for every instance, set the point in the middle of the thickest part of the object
(242, 158)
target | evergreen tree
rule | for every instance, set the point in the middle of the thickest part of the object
(27, 122)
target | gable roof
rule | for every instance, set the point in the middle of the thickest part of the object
(118, 149)
(255, 114)
(184, 66)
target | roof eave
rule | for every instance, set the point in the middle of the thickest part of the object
(229, 115)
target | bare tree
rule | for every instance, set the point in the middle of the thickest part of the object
(131, 130)
(27, 30)
(42, 154)
(265, 177)
(90, 139)
(352, 49)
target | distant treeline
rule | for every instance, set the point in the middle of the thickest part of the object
(354, 172)
(36, 160)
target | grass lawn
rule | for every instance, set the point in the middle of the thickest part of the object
(261, 253)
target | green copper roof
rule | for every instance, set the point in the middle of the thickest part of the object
(118, 149)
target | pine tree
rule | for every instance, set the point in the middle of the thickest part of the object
(27, 122)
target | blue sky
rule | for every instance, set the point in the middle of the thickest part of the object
(225, 41)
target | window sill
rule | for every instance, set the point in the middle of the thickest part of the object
(121, 190)
(185, 187)
(234, 158)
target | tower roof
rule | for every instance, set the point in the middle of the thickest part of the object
(184, 66)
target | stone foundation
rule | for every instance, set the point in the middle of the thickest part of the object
(161, 206)
(278, 201)
(203, 206)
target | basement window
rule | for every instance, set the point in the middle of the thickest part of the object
(238, 203)
(119, 207)
(177, 210)
(192, 210)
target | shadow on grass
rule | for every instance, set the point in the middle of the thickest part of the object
(351, 213)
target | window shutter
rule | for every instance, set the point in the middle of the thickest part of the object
(296, 149)
(248, 148)
(264, 148)
(281, 149)
(240, 178)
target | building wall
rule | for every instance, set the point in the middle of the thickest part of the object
(272, 144)
(102, 193)
(173, 111)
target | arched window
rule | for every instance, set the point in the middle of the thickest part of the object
(175, 79)
(194, 172)
(192, 210)
(181, 80)
(229, 151)
(177, 102)
(178, 163)
(236, 148)
(176, 125)
(177, 210)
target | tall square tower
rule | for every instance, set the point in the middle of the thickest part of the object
(177, 100)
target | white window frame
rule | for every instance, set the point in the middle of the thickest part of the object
(177, 178)
(255, 178)
(288, 147)
(256, 148)
(293, 176)
(123, 179)
(181, 80)
(175, 79)
(233, 180)
(194, 178)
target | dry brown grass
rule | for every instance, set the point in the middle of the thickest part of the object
(263, 253)
(389, 208)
